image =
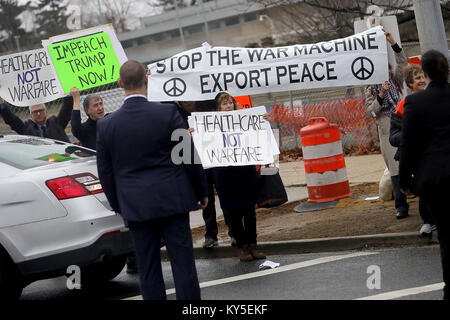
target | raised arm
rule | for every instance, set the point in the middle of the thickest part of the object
(65, 113)
(10, 118)
(75, 120)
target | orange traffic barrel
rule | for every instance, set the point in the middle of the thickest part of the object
(326, 174)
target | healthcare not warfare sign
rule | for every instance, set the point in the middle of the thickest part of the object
(27, 78)
(86, 59)
(233, 138)
(201, 73)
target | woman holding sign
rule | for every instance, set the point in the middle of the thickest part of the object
(236, 188)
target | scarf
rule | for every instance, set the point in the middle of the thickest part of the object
(391, 97)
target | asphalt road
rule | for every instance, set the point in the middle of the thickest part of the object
(316, 276)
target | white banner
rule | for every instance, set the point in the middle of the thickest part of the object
(201, 73)
(233, 138)
(27, 78)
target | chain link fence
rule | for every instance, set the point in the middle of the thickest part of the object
(111, 94)
(345, 107)
(289, 111)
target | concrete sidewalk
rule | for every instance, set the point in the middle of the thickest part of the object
(360, 169)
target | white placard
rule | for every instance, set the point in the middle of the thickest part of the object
(232, 138)
(27, 78)
(201, 73)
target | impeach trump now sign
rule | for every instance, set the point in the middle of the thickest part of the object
(86, 59)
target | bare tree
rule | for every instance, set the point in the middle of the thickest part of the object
(320, 20)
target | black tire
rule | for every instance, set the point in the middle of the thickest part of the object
(11, 284)
(102, 272)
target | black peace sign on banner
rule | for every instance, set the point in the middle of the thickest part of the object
(174, 87)
(362, 68)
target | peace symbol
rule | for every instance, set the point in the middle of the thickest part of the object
(362, 68)
(174, 87)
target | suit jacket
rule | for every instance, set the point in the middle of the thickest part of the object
(135, 167)
(55, 125)
(425, 145)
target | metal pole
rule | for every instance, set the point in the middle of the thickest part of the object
(430, 26)
(205, 21)
(292, 112)
(179, 25)
(17, 43)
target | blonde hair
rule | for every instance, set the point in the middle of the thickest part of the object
(409, 72)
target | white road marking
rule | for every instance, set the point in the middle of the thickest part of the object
(268, 272)
(405, 292)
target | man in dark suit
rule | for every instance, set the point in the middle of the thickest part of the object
(141, 181)
(425, 150)
(40, 124)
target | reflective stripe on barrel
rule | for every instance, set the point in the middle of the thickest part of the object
(326, 174)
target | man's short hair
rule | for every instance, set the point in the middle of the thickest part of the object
(409, 72)
(40, 104)
(132, 75)
(88, 99)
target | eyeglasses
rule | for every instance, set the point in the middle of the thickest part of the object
(35, 112)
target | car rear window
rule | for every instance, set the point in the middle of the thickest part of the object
(25, 153)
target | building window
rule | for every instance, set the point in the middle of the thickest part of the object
(144, 40)
(159, 37)
(174, 34)
(250, 17)
(232, 21)
(195, 29)
(214, 24)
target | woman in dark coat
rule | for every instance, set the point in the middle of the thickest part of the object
(425, 150)
(236, 188)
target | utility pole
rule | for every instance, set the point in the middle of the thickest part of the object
(179, 25)
(205, 21)
(430, 26)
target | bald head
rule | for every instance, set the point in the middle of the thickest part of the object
(132, 76)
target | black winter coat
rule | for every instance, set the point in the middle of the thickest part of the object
(55, 125)
(395, 134)
(236, 186)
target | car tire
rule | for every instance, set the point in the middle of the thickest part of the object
(102, 272)
(10, 281)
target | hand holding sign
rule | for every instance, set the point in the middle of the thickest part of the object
(389, 37)
(75, 93)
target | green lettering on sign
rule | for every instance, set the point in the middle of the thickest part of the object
(85, 62)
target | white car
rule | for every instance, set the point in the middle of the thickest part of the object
(54, 214)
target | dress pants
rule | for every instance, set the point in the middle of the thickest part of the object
(438, 204)
(424, 211)
(401, 203)
(176, 232)
(243, 225)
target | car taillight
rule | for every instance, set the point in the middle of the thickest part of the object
(79, 185)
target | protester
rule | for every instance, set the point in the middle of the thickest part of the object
(143, 184)
(209, 213)
(425, 150)
(86, 132)
(236, 187)
(415, 81)
(381, 103)
(39, 124)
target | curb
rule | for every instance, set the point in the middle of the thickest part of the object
(318, 245)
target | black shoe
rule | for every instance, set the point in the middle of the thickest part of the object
(131, 265)
(209, 243)
(402, 215)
